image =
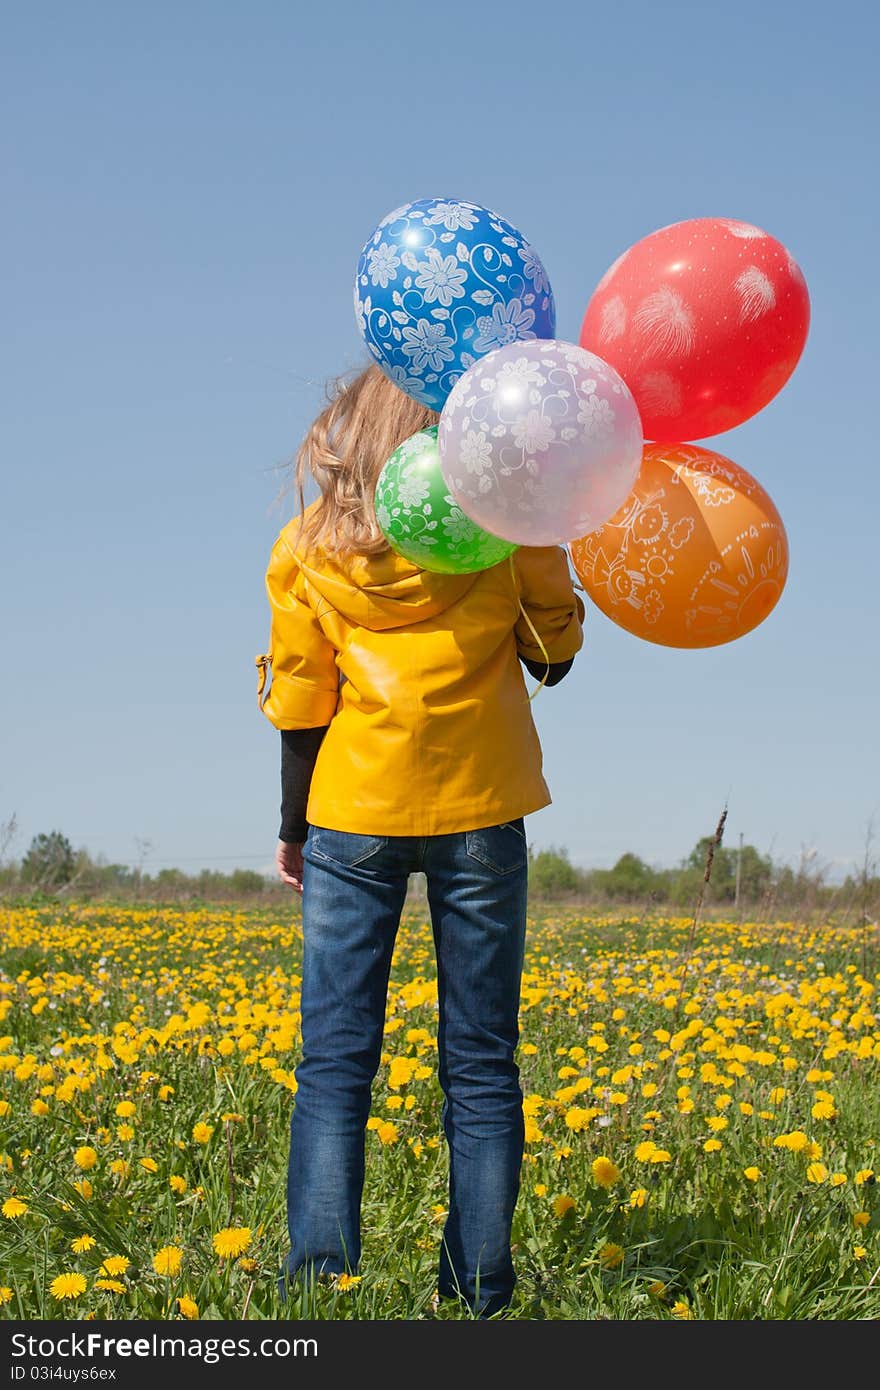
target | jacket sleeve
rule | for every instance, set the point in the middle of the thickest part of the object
(547, 600)
(305, 678)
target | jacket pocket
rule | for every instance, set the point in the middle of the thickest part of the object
(343, 847)
(501, 848)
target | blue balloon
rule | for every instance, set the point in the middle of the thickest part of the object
(439, 284)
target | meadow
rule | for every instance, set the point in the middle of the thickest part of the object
(702, 1120)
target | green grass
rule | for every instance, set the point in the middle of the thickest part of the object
(191, 1016)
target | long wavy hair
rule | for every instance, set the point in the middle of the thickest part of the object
(365, 419)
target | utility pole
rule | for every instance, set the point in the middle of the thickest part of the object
(738, 871)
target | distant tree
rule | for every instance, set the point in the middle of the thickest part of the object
(756, 874)
(551, 874)
(246, 881)
(723, 878)
(630, 878)
(49, 862)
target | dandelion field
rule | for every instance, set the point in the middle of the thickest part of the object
(702, 1120)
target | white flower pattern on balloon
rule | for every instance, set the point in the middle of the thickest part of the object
(533, 433)
(411, 489)
(441, 278)
(401, 378)
(533, 269)
(476, 451)
(522, 370)
(428, 344)
(458, 527)
(453, 216)
(383, 263)
(597, 417)
(507, 324)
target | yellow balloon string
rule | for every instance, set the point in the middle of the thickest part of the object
(534, 632)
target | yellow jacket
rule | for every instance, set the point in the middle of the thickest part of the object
(417, 676)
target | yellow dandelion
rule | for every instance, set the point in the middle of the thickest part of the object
(577, 1119)
(864, 1175)
(717, 1123)
(605, 1172)
(817, 1173)
(387, 1133)
(657, 1288)
(753, 1174)
(563, 1205)
(85, 1157)
(12, 1207)
(110, 1285)
(84, 1188)
(638, 1197)
(645, 1150)
(5, 1294)
(837, 1179)
(660, 1156)
(82, 1244)
(232, 1241)
(149, 1165)
(188, 1307)
(124, 1133)
(168, 1260)
(682, 1310)
(823, 1110)
(859, 1252)
(202, 1132)
(795, 1142)
(177, 1183)
(611, 1255)
(345, 1282)
(125, 1109)
(115, 1264)
(861, 1219)
(712, 1146)
(540, 1189)
(67, 1286)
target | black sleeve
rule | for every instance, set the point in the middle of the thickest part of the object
(557, 672)
(299, 752)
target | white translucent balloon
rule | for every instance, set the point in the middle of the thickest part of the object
(540, 442)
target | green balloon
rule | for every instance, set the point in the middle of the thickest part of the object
(422, 522)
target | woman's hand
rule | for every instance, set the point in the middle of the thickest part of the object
(289, 862)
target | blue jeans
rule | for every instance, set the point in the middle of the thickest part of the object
(353, 893)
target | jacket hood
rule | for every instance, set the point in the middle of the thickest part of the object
(381, 592)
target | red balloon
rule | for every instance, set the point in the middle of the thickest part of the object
(704, 320)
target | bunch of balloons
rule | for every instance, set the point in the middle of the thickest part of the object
(542, 442)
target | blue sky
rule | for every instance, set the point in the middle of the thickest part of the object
(186, 191)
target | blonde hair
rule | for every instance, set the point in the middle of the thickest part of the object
(366, 418)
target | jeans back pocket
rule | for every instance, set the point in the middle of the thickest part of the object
(343, 846)
(501, 848)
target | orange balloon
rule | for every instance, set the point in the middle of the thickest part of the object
(696, 556)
